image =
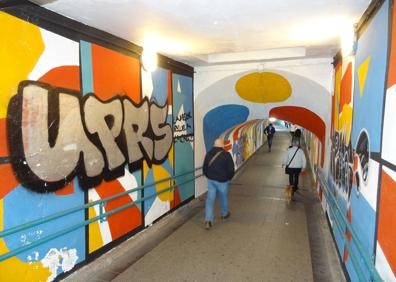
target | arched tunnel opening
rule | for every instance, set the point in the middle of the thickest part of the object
(105, 123)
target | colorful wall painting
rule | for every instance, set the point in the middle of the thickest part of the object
(79, 122)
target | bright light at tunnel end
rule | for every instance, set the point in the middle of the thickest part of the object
(272, 119)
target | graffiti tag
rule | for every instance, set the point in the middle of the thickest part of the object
(56, 134)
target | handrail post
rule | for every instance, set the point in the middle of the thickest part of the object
(101, 212)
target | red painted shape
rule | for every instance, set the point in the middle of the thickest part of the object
(8, 182)
(387, 219)
(124, 221)
(346, 87)
(320, 194)
(3, 139)
(64, 77)
(345, 254)
(236, 132)
(176, 198)
(115, 74)
(348, 233)
(227, 145)
(305, 118)
(392, 57)
(67, 190)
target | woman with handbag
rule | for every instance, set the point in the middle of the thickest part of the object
(295, 163)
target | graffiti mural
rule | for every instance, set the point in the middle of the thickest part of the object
(46, 145)
(356, 167)
(77, 126)
(243, 140)
(385, 244)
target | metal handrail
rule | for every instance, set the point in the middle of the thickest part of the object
(54, 216)
(333, 203)
(86, 222)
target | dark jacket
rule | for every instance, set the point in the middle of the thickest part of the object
(222, 168)
(270, 131)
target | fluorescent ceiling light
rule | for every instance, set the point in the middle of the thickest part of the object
(268, 54)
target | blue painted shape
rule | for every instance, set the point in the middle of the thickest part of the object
(22, 205)
(367, 110)
(149, 191)
(160, 86)
(183, 96)
(363, 223)
(184, 162)
(219, 119)
(183, 149)
(86, 67)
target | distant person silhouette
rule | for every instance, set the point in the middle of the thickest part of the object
(270, 132)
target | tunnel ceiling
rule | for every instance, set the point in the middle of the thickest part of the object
(223, 31)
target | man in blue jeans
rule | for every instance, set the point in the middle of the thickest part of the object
(218, 167)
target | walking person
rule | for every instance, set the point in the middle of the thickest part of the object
(297, 135)
(218, 167)
(270, 132)
(295, 163)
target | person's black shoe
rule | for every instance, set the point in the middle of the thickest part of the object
(226, 216)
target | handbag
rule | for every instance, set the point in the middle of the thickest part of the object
(287, 169)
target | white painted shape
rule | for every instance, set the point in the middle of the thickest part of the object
(369, 190)
(382, 266)
(178, 87)
(157, 209)
(201, 185)
(58, 51)
(389, 132)
(51, 261)
(69, 259)
(103, 226)
(128, 182)
(147, 84)
(54, 258)
(390, 172)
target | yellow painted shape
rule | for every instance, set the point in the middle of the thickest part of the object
(145, 171)
(21, 45)
(337, 95)
(15, 270)
(362, 74)
(95, 237)
(345, 122)
(161, 173)
(263, 87)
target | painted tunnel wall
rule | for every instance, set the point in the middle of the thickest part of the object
(80, 120)
(243, 140)
(362, 170)
(229, 95)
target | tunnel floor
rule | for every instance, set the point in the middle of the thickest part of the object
(265, 239)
